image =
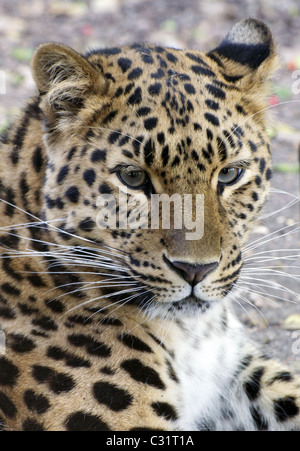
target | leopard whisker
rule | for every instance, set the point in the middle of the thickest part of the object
(243, 298)
(266, 295)
(270, 284)
(269, 271)
(104, 297)
(263, 240)
(259, 112)
(122, 302)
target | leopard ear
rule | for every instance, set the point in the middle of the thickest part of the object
(65, 79)
(247, 56)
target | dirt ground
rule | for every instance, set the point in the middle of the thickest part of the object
(274, 317)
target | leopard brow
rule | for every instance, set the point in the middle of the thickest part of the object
(125, 166)
(240, 164)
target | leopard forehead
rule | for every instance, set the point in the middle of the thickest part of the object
(174, 110)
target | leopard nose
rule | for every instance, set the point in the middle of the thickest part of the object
(193, 274)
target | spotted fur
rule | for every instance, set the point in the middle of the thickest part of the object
(104, 329)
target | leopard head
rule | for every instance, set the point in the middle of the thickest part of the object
(123, 126)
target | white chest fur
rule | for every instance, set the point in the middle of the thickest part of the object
(207, 354)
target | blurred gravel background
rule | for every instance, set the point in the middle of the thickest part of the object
(274, 317)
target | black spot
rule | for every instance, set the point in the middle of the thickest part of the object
(104, 189)
(98, 155)
(222, 151)
(9, 373)
(7, 406)
(20, 344)
(57, 382)
(147, 58)
(144, 111)
(111, 321)
(85, 422)
(55, 306)
(212, 104)
(196, 58)
(135, 74)
(149, 152)
(133, 342)
(285, 408)
(113, 137)
(89, 176)
(158, 75)
(241, 110)
(10, 197)
(37, 159)
(35, 402)
(163, 409)
(80, 319)
(269, 174)
(71, 153)
(112, 396)
(165, 155)
(92, 346)
(175, 161)
(31, 425)
(87, 224)
(212, 119)
(197, 127)
(136, 97)
(283, 376)
(150, 123)
(189, 88)
(171, 371)
(125, 64)
(73, 361)
(200, 70)
(155, 89)
(259, 420)
(64, 171)
(45, 322)
(136, 144)
(109, 117)
(72, 194)
(215, 91)
(142, 373)
(262, 165)
(252, 386)
(258, 180)
(253, 146)
(171, 57)
(194, 155)
(7, 313)
(107, 52)
(10, 289)
(36, 280)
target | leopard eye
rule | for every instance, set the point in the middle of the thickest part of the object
(229, 176)
(133, 177)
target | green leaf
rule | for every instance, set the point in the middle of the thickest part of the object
(283, 92)
(287, 168)
(169, 25)
(22, 54)
(4, 126)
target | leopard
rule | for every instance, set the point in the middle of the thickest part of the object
(123, 326)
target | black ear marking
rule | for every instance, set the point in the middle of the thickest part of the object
(250, 54)
(250, 42)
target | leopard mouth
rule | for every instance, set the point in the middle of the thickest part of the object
(190, 301)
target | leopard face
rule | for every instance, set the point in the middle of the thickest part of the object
(145, 120)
